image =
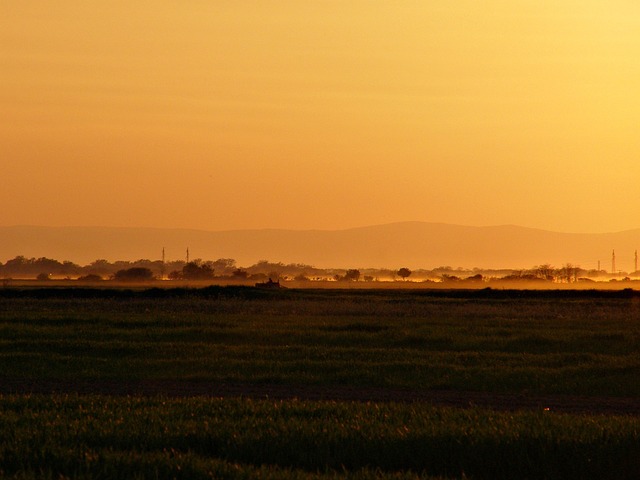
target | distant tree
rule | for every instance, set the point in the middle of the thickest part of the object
(258, 277)
(175, 275)
(18, 261)
(444, 268)
(134, 274)
(449, 278)
(586, 280)
(522, 277)
(70, 268)
(92, 277)
(101, 262)
(197, 271)
(545, 272)
(240, 274)
(224, 266)
(569, 273)
(43, 276)
(475, 278)
(404, 273)
(352, 274)
(175, 265)
(30, 266)
(100, 267)
(48, 264)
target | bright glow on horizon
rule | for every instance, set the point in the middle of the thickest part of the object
(320, 115)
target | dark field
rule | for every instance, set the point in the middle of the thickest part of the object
(550, 382)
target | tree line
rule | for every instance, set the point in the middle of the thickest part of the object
(198, 269)
(226, 268)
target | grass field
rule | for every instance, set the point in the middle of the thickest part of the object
(508, 342)
(103, 437)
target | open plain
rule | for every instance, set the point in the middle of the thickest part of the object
(237, 382)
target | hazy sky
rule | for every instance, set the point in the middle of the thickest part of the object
(219, 114)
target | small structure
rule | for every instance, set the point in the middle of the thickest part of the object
(269, 284)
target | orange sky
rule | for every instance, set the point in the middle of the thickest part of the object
(320, 114)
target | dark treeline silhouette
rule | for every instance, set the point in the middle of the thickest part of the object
(23, 267)
(227, 269)
(198, 269)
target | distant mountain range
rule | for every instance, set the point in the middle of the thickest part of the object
(409, 244)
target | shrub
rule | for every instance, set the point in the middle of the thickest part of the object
(92, 277)
(135, 274)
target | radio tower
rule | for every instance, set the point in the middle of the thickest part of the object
(187, 254)
(613, 262)
(636, 270)
(162, 266)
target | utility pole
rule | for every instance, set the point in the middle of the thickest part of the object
(188, 255)
(598, 265)
(636, 269)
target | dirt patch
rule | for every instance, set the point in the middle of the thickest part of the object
(502, 402)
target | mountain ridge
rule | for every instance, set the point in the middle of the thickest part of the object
(412, 244)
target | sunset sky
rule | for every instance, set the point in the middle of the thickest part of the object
(227, 114)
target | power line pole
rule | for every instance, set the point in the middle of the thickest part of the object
(162, 266)
(187, 254)
(636, 269)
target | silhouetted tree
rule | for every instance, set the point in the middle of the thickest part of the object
(70, 268)
(197, 271)
(475, 278)
(135, 274)
(32, 266)
(545, 272)
(521, 277)
(258, 277)
(449, 278)
(92, 277)
(240, 274)
(569, 273)
(352, 274)
(100, 267)
(224, 266)
(404, 273)
(175, 275)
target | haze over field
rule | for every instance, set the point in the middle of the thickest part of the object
(326, 115)
(411, 244)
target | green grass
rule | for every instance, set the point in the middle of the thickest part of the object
(103, 437)
(584, 343)
(542, 343)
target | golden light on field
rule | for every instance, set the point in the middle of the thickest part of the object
(320, 114)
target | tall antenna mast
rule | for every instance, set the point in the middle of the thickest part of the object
(162, 266)
(187, 254)
(613, 262)
(636, 270)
